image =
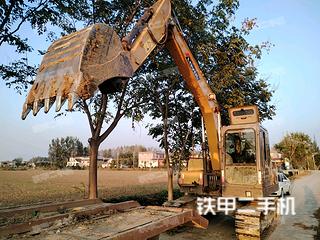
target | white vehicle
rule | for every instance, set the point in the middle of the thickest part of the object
(284, 185)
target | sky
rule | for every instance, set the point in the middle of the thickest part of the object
(291, 68)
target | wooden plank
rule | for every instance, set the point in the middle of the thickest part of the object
(47, 207)
(137, 223)
(107, 207)
(198, 221)
(88, 210)
(154, 228)
(169, 209)
(29, 226)
(195, 219)
(157, 227)
(144, 223)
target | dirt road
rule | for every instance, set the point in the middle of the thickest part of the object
(306, 191)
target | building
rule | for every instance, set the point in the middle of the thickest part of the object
(150, 159)
(8, 164)
(278, 161)
(84, 162)
(107, 163)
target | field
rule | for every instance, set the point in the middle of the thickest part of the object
(33, 186)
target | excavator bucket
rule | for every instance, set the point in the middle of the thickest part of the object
(76, 65)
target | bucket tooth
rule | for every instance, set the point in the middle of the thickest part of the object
(48, 104)
(72, 99)
(26, 110)
(37, 105)
(59, 103)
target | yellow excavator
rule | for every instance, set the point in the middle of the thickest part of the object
(95, 58)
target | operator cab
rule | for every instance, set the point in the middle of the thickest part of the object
(246, 165)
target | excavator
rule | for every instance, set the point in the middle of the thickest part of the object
(95, 58)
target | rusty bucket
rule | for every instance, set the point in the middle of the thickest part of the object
(76, 65)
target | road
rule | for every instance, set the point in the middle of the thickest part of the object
(306, 192)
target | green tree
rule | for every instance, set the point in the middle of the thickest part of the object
(316, 154)
(17, 162)
(299, 149)
(183, 120)
(317, 160)
(46, 17)
(174, 108)
(107, 153)
(40, 161)
(61, 149)
(128, 155)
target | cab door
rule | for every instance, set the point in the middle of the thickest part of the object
(268, 178)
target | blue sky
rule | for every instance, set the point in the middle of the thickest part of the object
(291, 68)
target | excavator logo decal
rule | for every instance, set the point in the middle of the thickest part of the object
(192, 66)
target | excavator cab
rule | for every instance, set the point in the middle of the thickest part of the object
(246, 169)
(246, 164)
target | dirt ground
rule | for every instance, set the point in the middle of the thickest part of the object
(33, 186)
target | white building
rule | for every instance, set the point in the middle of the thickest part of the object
(78, 162)
(278, 160)
(107, 163)
(150, 159)
(84, 162)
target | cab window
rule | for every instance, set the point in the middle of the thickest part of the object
(240, 147)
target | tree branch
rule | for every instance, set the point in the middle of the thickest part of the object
(122, 98)
(23, 19)
(86, 110)
(131, 16)
(7, 15)
(133, 106)
(101, 115)
(111, 127)
(117, 117)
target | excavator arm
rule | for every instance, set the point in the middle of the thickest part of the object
(199, 87)
(157, 27)
(94, 58)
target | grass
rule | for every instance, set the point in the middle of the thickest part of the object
(156, 199)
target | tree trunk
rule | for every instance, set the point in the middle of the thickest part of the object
(93, 187)
(166, 149)
(169, 171)
(170, 183)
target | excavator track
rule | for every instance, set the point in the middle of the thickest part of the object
(248, 223)
(251, 223)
